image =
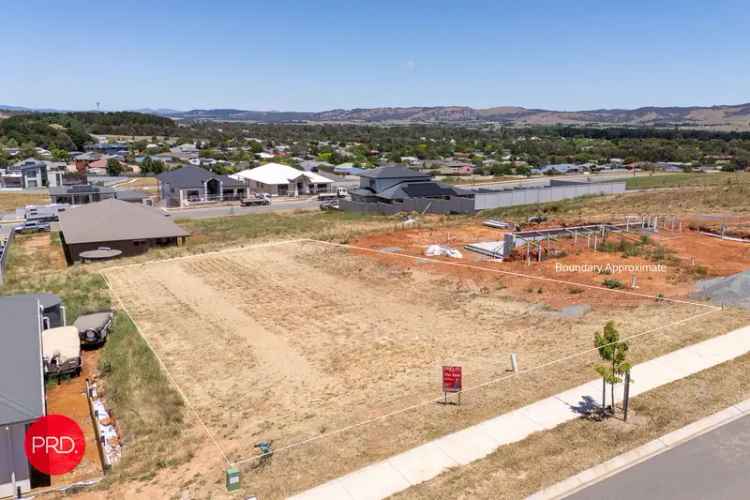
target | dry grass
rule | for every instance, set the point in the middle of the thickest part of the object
(294, 342)
(728, 197)
(520, 469)
(143, 183)
(656, 181)
(35, 253)
(9, 201)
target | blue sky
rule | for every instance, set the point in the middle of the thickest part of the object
(310, 56)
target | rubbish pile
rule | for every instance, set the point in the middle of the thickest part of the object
(437, 250)
(731, 290)
(105, 428)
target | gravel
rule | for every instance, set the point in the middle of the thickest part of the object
(732, 290)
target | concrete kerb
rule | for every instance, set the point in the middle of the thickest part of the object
(641, 454)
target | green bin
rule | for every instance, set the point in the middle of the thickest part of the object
(233, 479)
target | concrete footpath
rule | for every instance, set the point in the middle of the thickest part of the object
(425, 462)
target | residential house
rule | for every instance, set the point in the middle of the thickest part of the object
(388, 184)
(80, 194)
(194, 184)
(114, 224)
(22, 389)
(283, 180)
(31, 173)
(560, 168)
(82, 162)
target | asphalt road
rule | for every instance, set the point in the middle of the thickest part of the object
(714, 466)
(275, 206)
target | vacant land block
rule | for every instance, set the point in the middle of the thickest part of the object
(336, 357)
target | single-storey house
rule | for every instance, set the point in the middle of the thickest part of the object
(189, 184)
(22, 390)
(559, 168)
(283, 180)
(117, 225)
(80, 194)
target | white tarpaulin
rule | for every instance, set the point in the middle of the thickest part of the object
(436, 250)
(62, 342)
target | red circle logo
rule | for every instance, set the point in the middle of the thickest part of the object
(54, 444)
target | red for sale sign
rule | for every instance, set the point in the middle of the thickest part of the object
(451, 379)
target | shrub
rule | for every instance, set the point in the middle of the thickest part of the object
(613, 283)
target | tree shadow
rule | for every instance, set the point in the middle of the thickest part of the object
(589, 409)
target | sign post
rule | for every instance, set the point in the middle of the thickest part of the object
(452, 381)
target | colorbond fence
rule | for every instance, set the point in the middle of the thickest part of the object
(555, 191)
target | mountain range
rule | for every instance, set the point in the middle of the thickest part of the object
(727, 117)
(735, 117)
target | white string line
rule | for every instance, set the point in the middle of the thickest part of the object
(516, 274)
(166, 371)
(473, 388)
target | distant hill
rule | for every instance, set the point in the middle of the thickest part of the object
(72, 131)
(736, 117)
(722, 117)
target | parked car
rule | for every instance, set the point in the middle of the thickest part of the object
(258, 199)
(32, 226)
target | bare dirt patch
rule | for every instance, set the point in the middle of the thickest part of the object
(687, 257)
(297, 342)
(69, 398)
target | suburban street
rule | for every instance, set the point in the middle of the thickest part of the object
(713, 466)
(226, 211)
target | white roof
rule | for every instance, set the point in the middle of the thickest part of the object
(276, 173)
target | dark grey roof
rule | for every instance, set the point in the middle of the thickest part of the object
(115, 220)
(393, 171)
(424, 189)
(427, 189)
(191, 176)
(21, 378)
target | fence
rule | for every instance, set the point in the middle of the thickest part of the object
(482, 200)
(4, 251)
(454, 205)
(556, 191)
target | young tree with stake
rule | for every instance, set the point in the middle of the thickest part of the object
(613, 352)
